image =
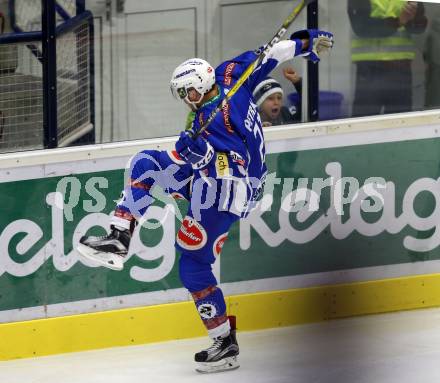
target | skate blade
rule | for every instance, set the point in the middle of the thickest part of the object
(226, 364)
(109, 260)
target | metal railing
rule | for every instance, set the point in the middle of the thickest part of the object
(46, 75)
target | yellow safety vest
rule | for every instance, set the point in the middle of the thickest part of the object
(399, 46)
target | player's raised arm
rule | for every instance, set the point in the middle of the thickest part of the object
(308, 43)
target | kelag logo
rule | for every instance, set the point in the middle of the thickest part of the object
(54, 248)
(376, 195)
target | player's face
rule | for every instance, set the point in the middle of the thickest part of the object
(271, 106)
(193, 96)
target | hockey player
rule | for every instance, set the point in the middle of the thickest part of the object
(226, 165)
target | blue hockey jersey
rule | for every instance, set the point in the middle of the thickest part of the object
(237, 128)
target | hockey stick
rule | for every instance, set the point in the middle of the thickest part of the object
(249, 70)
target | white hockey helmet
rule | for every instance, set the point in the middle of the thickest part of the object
(193, 73)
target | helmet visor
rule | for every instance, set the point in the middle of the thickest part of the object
(179, 93)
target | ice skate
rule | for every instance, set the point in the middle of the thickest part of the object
(109, 251)
(221, 356)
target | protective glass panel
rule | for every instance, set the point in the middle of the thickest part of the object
(384, 60)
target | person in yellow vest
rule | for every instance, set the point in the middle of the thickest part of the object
(432, 57)
(382, 51)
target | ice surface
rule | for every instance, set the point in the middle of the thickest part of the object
(400, 347)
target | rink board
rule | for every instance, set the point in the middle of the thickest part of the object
(279, 267)
(257, 311)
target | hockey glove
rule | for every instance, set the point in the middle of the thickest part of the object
(319, 42)
(198, 152)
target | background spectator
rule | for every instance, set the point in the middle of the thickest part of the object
(432, 57)
(382, 50)
(269, 97)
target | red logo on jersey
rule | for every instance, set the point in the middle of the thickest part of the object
(228, 73)
(201, 119)
(218, 244)
(139, 185)
(192, 235)
(226, 118)
(174, 156)
(209, 69)
(177, 195)
(123, 214)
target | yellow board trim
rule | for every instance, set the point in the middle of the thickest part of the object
(179, 320)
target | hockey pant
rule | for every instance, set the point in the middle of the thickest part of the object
(215, 203)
